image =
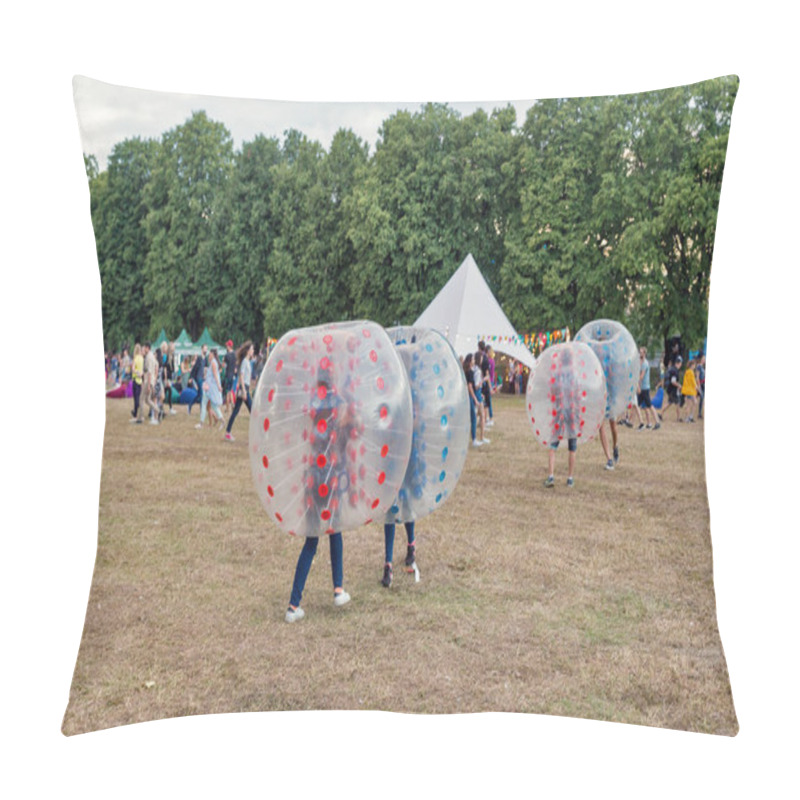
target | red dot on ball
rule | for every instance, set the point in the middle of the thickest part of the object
(385, 450)
(373, 356)
(266, 424)
(270, 491)
(323, 490)
(279, 366)
(322, 426)
(322, 392)
(326, 515)
(321, 461)
(381, 477)
(375, 502)
(265, 462)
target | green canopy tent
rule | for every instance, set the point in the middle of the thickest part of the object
(184, 346)
(162, 337)
(205, 339)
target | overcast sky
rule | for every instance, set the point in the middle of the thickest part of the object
(108, 114)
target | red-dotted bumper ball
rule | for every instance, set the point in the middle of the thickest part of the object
(566, 395)
(619, 357)
(441, 422)
(331, 428)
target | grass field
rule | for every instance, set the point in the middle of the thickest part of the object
(592, 602)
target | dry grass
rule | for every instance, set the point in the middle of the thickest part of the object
(596, 602)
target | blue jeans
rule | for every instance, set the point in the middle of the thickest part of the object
(473, 419)
(238, 405)
(388, 535)
(304, 565)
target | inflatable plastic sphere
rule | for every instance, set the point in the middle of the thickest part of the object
(441, 422)
(566, 395)
(619, 357)
(331, 428)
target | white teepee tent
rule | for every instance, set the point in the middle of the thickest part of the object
(465, 310)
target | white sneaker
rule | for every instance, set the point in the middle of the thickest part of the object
(294, 614)
(490, 424)
(486, 441)
(198, 426)
(173, 411)
(341, 599)
(476, 443)
(153, 421)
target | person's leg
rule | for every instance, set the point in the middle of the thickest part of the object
(411, 551)
(473, 419)
(234, 414)
(614, 439)
(488, 391)
(388, 542)
(248, 400)
(137, 390)
(604, 443)
(573, 447)
(301, 570)
(340, 596)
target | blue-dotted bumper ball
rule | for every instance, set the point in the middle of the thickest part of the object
(441, 422)
(619, 357)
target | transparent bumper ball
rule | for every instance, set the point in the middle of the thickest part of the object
(441, 432)
(616, 349)
(566, 394)
(331, 428)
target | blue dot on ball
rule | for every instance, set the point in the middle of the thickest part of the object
(442, 476)
(440, 391)
(444, 420)
(438, 497)
(444, 454)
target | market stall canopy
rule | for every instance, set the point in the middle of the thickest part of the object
(465, 310)
(205, 339)
(162, 337)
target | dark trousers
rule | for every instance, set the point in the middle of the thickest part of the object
(137, 393)
(238, 405)
(388, 535)
(304, 565)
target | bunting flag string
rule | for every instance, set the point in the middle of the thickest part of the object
(535, 342)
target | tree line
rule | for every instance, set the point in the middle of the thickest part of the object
(593, 207)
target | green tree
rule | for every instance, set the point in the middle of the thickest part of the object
(118, 212)
(243, 232)
(307, 279)
(181, 281)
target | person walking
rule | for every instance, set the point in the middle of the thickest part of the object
(212, 392)
(644, 403)
(196, 377)
(137, 376)
(229, 362)
(149, 383)
(244, 356)
(689, 389)
(672, 389)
